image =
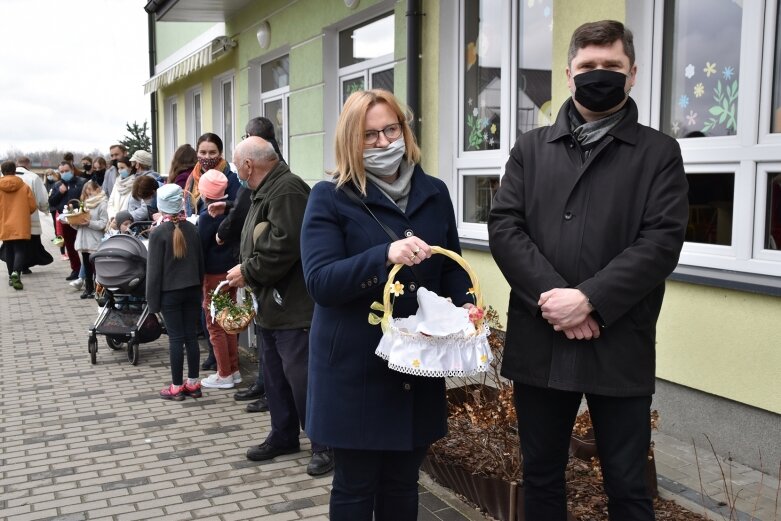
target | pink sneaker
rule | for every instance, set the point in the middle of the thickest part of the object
(173, 392)
(192, 390)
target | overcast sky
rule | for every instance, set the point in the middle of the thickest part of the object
(72, 73)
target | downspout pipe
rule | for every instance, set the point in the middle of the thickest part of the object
(153, 97)
(414, 51)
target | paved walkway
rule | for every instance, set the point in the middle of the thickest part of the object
(81, 441)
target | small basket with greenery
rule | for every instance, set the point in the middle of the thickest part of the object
(233, 317)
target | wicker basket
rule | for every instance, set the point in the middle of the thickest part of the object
(77, 214)
(457, 354)
(233, 322)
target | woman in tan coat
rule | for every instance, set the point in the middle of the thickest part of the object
(16, 205)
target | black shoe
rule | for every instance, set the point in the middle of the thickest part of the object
(253, 392)
(264, 451)
(210, 364)
(73, 276)
(87, 294)
(27, 271)
(321, 463)
(260, 405)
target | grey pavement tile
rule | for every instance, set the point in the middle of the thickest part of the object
(204, 494)
(288, 506)
(114, 485)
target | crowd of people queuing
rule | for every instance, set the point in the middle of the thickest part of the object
(586, 262)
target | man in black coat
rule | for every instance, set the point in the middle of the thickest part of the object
(587, 224)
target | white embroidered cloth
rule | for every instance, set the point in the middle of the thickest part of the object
(439, 340)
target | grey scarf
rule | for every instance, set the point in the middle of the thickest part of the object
(591, 132)
(397, 191)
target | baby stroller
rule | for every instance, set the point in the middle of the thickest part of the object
(124, 317)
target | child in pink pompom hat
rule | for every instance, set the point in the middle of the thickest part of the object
(218, 260)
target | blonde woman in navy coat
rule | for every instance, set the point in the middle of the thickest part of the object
(378, 421)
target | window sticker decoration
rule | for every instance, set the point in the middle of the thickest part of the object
(701, 87)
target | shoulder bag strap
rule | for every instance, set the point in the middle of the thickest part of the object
(350, 193)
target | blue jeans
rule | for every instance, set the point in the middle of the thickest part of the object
(383, 483)
(622, 427)
(181, 310)
(286, 362)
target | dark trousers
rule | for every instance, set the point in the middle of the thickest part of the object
(69, 236)
(89, 273)
(259, 348)
(181, 309)
(286, 362)
(15, 252)
(622, 427)
(383, 483)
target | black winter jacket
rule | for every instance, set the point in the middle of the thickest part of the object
(612, 226)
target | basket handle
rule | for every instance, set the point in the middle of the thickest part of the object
(386, 295)
(219, 287)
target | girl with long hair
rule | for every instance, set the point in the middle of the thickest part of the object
(174, 275)
(185, 159)
(89, 232)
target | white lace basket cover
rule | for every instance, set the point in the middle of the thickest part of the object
(441, 339)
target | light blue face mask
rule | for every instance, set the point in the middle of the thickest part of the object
(124, 173)
(67, 176)
(384, 162)
(243, 182)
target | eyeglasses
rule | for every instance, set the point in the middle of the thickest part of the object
(392, 132)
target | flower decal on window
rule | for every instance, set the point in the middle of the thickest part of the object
(710, 68)
(699, 90)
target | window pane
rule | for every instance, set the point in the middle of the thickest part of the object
(227, 119)
(275, 74)
(369, 40)
(482, 73)
(382, 80)
(710, 208)
(197, 114)
(776, 116)
(478, 195)
(174, 126)
(535, 55)
(274, 111)
(773, 231)
(701, 68)
(350, 86)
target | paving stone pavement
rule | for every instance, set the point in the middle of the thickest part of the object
(85, 442)
(88, 442)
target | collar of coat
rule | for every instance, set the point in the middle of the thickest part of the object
(422, 188)
(278, 171)
(625, 131)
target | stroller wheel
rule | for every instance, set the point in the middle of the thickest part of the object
(114, 343)
(132, 352)
(92, 347)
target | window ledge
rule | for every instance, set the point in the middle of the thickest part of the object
(474, 244)
(749, 282)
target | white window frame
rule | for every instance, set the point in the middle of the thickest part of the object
(193, 131)
(470, 229)
(750, 154)
(218, 102)
(283, 94)
(171, 108)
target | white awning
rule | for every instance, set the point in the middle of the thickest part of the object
(193, 62)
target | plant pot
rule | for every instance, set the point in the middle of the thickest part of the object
(500, 499)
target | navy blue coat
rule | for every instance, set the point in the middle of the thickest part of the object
(354, 401)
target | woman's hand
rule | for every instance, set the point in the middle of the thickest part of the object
(409, 251)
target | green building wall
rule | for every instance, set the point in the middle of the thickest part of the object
(718, 341)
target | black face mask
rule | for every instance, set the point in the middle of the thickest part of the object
(114, 162)
(100, 171)
(600, 90)
(86, 167)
